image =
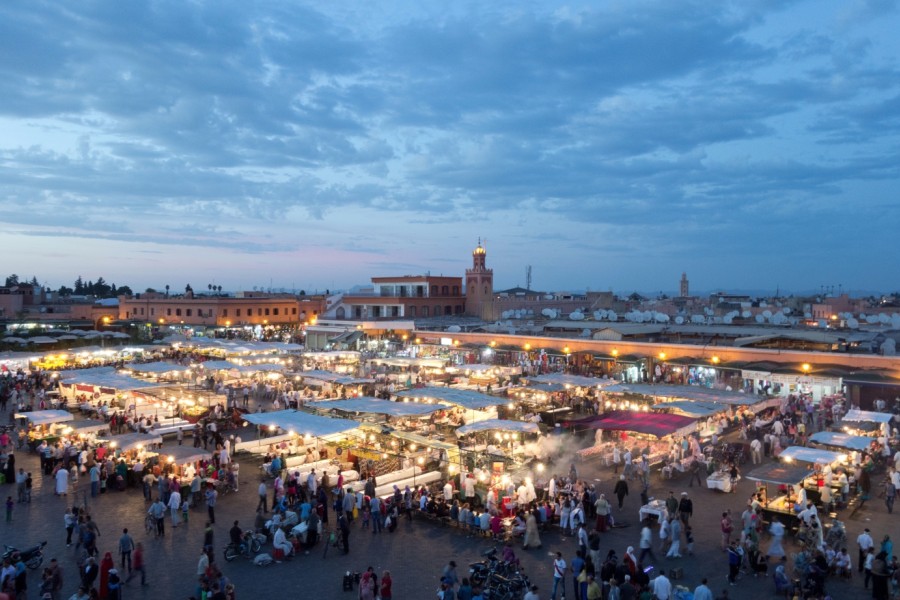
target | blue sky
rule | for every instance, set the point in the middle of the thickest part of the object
(610, 145)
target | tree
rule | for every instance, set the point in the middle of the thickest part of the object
(34, 281)
(65, 291)
(220, 289)
(125, 291)
(167, 290)
(12, 280)
(79, 286)
(149, 291)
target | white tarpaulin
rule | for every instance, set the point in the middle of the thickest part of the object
(46, 417)
(499, 425)
(811, 455)
(867, 416)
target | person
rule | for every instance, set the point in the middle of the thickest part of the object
(695, 474)
(621, 490)
(864, 541)
(106, 565)
(175, 506)
(880, 576)
(577, 568)
(685, 508)
(345, 531)
(280, 542)
(211, 495)
(662, 587)
(559, 572)
(593, 591)
(734, 563)
(9, 509)
(137, 563)
(463, 593)
(366, 587)
(776, 529)
(532, 536)
(157, 510)
(532, 594)
(114, 585)
(62, 481)
(89, 573)
(646, 543)
(726, 527)
(783, 584)
(236, 536)
(675, 537)
(602, 508)
(887, 546)
(69, 519)
(702, 591)
(126, 546)
(867, 567)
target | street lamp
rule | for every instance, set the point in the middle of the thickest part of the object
(805, 368)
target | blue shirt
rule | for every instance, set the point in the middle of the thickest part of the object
(577, 565)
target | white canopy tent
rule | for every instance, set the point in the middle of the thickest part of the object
(130, 441)
(811, 455)
(46, 417)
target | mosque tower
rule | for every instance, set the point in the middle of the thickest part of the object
(684, 289)
(479, 286)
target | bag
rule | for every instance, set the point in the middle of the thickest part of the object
(355, 513)
(387, 522)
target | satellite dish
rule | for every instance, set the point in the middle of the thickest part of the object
(760, 319)
(746, 314)
(679, 320)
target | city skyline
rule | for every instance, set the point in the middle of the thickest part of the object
(610, 146)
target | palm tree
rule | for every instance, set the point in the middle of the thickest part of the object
(167, 290)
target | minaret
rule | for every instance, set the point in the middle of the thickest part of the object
(479, 286)
(684, 288)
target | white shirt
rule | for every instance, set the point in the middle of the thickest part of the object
(865, 541)
(701, 592)
(662, 587)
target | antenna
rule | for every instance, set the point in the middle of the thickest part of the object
(528, 277)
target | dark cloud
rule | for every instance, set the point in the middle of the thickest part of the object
(694, 125)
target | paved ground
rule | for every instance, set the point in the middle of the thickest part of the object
(415, 553)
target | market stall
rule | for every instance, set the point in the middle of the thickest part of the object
(787, 477)
(646, 432)
(471, 406)
(838, 439)
(861, 421)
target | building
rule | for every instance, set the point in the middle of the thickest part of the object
(684, 289)
(403, 297)
(479, 286)
(242, 309)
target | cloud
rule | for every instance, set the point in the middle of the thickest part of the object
(297, 127)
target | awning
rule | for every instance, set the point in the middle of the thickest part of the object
(467, 399)
(260, 367)
(46, 417)
(182, 455)
(780, 473)
(301, 423)
(156, 367)
(841, 440)
(378, 406)
(686, 392)
(571, 380)
(692, 408)
(218, 365)
(811, 455)
(498, 424)
(867, 416)
(67, 374)
(657, 424)
(130, 441)
(86, 426)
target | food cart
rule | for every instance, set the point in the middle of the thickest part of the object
(839, 439)
(823, 463)
(39, 424)
(781, 504)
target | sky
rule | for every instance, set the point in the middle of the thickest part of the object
(610, 145)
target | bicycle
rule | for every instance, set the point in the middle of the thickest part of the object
(150, 524)
(334, 539)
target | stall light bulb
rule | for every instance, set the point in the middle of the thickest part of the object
(540, 467)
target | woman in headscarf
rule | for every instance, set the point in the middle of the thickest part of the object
(366, 587)
(105, 565)
(630, 560)
(532, 537)
(783, 584)
(880, 576)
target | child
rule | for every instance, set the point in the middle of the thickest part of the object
(366, 513)
(689, 537)
(9, 507)
(184, 510)
(28, 482)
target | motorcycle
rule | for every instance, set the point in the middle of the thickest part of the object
(250, 546)
(32, 557)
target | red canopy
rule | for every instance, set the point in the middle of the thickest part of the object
(657, 424)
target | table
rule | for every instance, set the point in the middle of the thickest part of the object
(656, 507)
(720, 481)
